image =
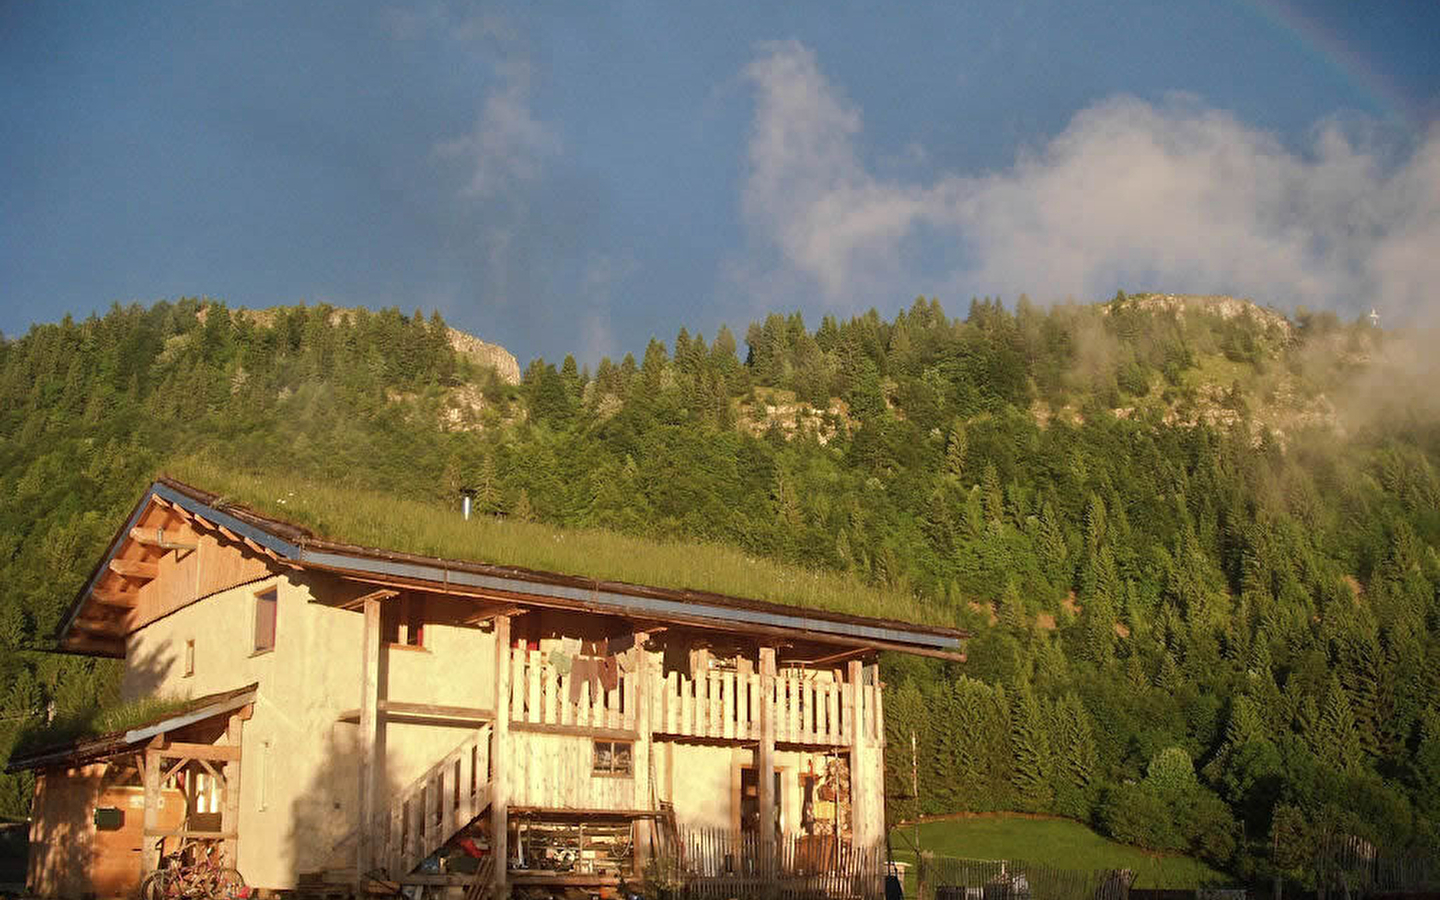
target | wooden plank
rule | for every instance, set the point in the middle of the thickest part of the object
(230, 811)
(135, 568)
(224, 752)
(369, 729)
(596, 731)
(149, 853)
(859, 770)
(832, 712)
(640, 684)
(157, 538)
(111, 596)
(532, 677)
(727, 690)
(765, 758)
(500, 759)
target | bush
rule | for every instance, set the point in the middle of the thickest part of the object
(1134, 814)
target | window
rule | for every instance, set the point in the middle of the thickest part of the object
(612, 758)
(265, 621)
(189, 657)
(402, 621)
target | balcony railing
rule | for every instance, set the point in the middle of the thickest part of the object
(716, 704)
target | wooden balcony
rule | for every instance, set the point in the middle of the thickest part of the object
(719, 704)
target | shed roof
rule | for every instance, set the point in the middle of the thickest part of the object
(91, 749)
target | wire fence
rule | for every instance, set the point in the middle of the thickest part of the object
(718, 863)
(951, 878)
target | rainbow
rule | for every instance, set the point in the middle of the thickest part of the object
(1325, 44)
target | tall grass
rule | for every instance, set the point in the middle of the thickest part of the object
(96, 722)
(373, 519)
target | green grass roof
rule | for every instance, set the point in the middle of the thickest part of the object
(377, 520)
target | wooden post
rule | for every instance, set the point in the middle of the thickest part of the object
(149, 852)
(500, 760)
(230, 812)
(640, 754)
(369, 726)
(859, 763)
(765, 761)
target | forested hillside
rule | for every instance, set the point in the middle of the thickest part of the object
(1194, 539)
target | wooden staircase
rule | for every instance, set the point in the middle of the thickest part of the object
(432, 808)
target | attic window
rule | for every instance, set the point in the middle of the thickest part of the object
(265, 603)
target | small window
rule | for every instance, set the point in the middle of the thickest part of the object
(403, 621)
(265, 620)
(612, 758)
(189, 657)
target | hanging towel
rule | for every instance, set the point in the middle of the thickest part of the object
(744, 668)
(561, 661)
(609, 673)
(570, 645)
(628, 660)
(577, 677)
(676, 658)
(617, 645)
(593, 672)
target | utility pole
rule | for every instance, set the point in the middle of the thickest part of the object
(915, 789)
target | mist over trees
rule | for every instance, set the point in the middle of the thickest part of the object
(1198, 565)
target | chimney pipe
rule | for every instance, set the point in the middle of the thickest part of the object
(467, 496)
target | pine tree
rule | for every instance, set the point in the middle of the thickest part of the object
(1334, 736)
(1034, 773)
(955, 449)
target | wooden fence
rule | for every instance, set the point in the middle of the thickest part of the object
(705, 863)
(949, 878)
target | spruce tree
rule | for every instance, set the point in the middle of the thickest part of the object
(1034, 772)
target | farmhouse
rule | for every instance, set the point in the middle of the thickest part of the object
(358, 714)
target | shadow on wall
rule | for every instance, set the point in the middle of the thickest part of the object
(144, 674)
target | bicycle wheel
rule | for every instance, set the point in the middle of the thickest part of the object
(229, 885)
(155, 886)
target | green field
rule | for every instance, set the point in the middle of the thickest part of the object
(1055, 842)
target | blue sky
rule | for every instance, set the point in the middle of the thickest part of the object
(575, 177)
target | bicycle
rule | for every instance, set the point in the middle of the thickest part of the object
(188, 873)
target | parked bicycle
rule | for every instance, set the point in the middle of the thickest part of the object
(195, 870)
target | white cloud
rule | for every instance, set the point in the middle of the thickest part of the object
(1172, 196)
(508, 145)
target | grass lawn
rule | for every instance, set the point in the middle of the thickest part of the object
(1056, 842)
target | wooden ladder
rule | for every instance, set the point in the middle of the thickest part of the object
(483, 883)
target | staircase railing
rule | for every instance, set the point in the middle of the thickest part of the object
(432, 808)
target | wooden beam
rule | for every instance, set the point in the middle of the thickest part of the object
(223, 752)
(98, 628)
(500, 760)
(149, 853)
(607, 734)
(363, 599)
(423, 711)
(91, 646)
(230, 811)
(521, 601)
(134, 568)
(765, 762)
(859, 759)
(156, 537)
(108, 596)
(642, 834)
(370, 766)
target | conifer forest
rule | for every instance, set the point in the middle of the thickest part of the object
(1193, 539)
